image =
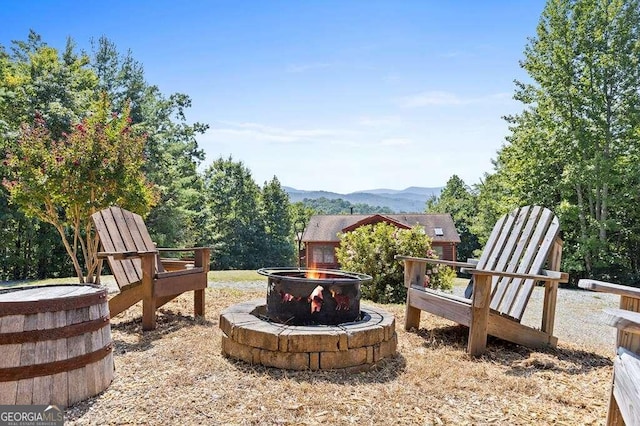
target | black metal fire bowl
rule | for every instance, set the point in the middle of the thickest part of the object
(304, 296)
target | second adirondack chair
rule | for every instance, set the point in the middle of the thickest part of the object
(624, 399)
(138, 269)
(521, 244)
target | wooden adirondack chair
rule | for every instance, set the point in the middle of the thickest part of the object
(138, 269)
(624, 399)
(519, 246)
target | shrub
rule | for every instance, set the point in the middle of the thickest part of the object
(370, 249)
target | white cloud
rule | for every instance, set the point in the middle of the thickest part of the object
(441, 98)
(389, 120)
(392, 78)
(296, 68)
(262, 133)
(452, 54)
(395, 142)
(430, 98)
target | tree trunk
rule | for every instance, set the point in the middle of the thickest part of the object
(74, 259)
(584, 235)
(604, 212)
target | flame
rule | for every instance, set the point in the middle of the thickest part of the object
(313, 273)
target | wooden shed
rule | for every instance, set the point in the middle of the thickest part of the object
(321, 236)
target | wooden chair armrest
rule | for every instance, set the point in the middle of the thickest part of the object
(200, 257)
(124, 254)
(606, 287)
(544, 275)
(622, 319)
(451, 263)
(169, 249)
(469, 270)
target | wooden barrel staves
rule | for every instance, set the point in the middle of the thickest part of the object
(55, 344)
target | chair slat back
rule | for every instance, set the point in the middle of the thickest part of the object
(520, 242)
(120, 230)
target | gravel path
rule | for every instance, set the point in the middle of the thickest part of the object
(578, 316)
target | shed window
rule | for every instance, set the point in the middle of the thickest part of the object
(438, 232)
(323, 254)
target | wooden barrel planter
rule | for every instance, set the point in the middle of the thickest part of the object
(55, 344)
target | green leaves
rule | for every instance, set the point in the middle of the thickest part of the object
(68, 88)
(461, 203)
(64, 181)
(570, 148)
(277, 222)
(235, 227)
(370, 249)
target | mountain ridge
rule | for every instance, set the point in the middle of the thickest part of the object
(409, 200)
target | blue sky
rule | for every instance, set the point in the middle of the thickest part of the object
(332, 95)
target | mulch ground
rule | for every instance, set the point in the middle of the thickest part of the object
(177, 375)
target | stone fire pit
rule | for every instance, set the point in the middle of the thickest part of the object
(332, 332)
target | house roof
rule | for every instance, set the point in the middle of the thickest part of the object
(325, 228)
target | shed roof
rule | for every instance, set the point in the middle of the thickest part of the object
(325, 228)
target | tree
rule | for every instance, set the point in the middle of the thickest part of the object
(235, 228)
(574, 147)
(36, 79)
(63, 88)
(171, 150)
(325, 205)
(300, 214)
(370, 249)
(460, 202)
(64, 181)
(277, 222)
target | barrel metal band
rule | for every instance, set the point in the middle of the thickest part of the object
(72, 330)
(38, 370)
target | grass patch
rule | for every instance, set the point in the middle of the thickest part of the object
(218, 276)
(48, 281)
(235, 276)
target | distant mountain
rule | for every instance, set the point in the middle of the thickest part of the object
(411, 190)
(409, 200)
(379, 191)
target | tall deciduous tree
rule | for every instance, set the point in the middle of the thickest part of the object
(35, 78)
(574, 146)
(460, 202)
(171, 150)
(64, 181)
(235, 228)
(277, 222)
(62, 87)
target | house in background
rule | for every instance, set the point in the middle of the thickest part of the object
(320, 237)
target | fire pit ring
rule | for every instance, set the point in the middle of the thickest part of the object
(301, 296)
(351, 347)
(331, 332)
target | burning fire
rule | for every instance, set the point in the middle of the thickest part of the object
(313, 273)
